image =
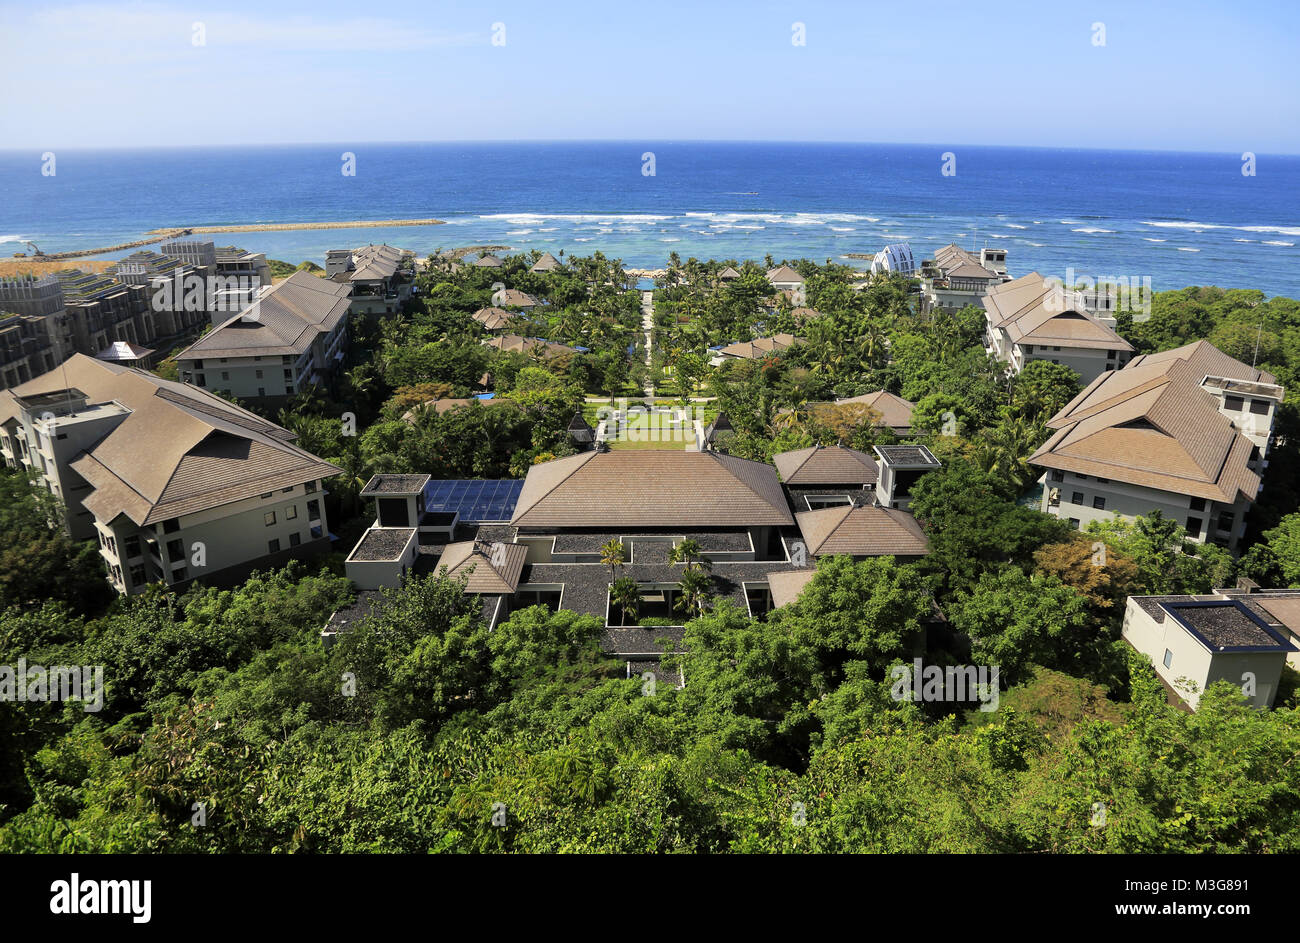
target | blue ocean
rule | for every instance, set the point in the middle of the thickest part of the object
(1180, 219)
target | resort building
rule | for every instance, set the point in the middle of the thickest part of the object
(955, 277)
(127, 355)
(495, 319)
(784, 278)
(533, 346)
(1030, 318)
(292, 337)
(514, 298)
(895, 412)
(756, 349)
(175, 483)
(546, 540)
(180, 294)
(487, 261)
(1242, 637)
(1184, 431)
(901, 466)
(25, 349)
(547, 263)
(381, 277)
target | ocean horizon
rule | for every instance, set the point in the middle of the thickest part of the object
(1179, 218)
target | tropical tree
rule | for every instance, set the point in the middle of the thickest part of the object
(626, 594)
(688, 551)
(693, 591)
(613, 555)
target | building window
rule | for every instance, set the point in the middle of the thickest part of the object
(313, 510)
(1074, 522)
(1233, 403)
(175, 550)
(1259, 407)
(200, 381)
(1226, 520)
(291, 512)
(273, 546)
(316, 531)
(180, 573)
(258, 373)
(1197, 504)
(288, 374)
(172, 526)
(261, 391)
(1099, 503)
(1169, 658)
(138, 577)
(266, 494)
(1103, 481)
(295, 539)
(1058, 475)
(133, 545)
(309, 487)
(269, 518)
(1076, 497)
(1110, 355)
(225, 374)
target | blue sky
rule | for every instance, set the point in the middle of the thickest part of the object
(1184, 75)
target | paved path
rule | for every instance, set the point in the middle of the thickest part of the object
(647, 325)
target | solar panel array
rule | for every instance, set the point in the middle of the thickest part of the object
(477, 499)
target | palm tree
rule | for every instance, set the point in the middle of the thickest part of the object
(613, 555)
(626, 594)
(693, 591)
(688, 552)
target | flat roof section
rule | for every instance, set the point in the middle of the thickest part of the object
(381, 544)
(914, 455)
(395, 484)
(1226, 626)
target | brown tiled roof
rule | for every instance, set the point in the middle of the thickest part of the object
(485, 579)
(289, 317)
(728, 272)
(635, 488)
(441, 406)
(547, 263)
(783, 273)
(862, 532)
(895, 411)
(527, 345)
(515, 298)
(1033, 311)
(956, 262)
(181, 449)
(375, 263)
(760, 346)
(1151, 424)
(826, 465)
(487, 261)
(786, 585)
(494, 319)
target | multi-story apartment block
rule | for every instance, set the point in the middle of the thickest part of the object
(292, 337)
(176, 484)
(381, 276)
(1030, 318)
(25, 349)
(102, 310)
(955, 277)
(179, 292)
(1184, 431)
